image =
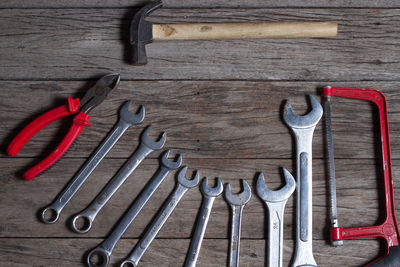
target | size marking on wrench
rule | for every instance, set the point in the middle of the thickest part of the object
(236, 203)
(181, 188)
(146, 147)
(104, 250)
(303, 128)
(126, 119)
(209, 195)
(275, 202)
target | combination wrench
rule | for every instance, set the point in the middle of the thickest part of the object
(302, 128)
(209, 195)
(236, 203)
(104, 250)
(183, 185)
(146, 147)
(126, 119)
(275, 202)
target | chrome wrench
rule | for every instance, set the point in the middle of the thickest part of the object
(303, 128)
(181, 188)
(275, 202)
(104, 250)
(236, 203)
(209, 195)
(126, 119)
(146, 147)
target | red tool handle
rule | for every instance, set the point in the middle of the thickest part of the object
(389, 229)
(79, 122)
(41, 122)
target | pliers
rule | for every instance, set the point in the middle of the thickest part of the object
(93, 97)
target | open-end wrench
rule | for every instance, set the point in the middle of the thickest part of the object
(126, 119)
(237, 203)
(275, 202)
(303, 128)
(104, 250)
(209, 195)
(181, 188)
(146, 147)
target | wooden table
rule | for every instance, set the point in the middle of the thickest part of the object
(220, 103)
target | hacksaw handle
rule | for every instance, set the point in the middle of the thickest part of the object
(208, 31)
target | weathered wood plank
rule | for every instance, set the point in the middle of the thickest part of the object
(167, 252)
(21, 201)
(78, 43)
(203, 119)
(193, 3)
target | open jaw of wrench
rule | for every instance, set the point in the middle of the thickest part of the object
(104, 250)
(388, 229)
(303, 128)
(236, 202)
(275, 202)
(182, 186)
(145, 148)
(209, 195)
(51, 213)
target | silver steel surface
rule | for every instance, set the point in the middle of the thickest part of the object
(302, 128)
(209, 195)
(275, 202)
(104, 250)
(126, 119)
(146, 147)
(331, 167)
(181, 188)
(236, 202)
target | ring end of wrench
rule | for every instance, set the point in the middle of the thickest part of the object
(88, 221)
(128, 263)
(55, 214)
(101, 255)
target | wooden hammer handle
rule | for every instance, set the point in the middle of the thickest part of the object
(208, 31)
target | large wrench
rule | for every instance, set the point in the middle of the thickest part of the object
(104, 250)
(303, 128)
(146, 147)
(126, 119)
(275, 202)
(181, 188)
(237, 203)
(209, 195)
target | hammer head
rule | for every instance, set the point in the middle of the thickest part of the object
(141, 32)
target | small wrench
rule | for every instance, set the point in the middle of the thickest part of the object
(146, 147)
(303, 128)
(181, 188)
(126, 119)
(236, 203)
(275, 202)
(209, 195)
(104, 250)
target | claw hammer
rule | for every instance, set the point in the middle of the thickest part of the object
(143, 32)
(388, 229)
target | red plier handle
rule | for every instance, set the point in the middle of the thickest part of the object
(79, 122)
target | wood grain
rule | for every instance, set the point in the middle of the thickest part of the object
(203, 119)
(194, 3)
(79, 43)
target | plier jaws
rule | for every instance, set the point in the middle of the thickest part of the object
(92, 98)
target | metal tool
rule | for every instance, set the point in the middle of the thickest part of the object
(302, 128)
(145, 148)
(183, 185)
(236, 202)
(209, 195)
(144, 32)
(275, 202)
(104, 250)
(388, 229)
(126, 119)
(93, 97)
